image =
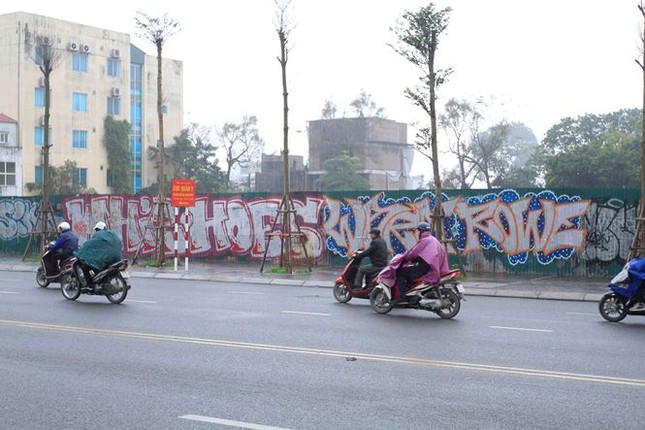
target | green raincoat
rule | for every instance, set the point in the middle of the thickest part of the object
(103, 249)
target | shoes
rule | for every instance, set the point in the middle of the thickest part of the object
(638, 307)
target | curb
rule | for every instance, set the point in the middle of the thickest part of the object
(492, 289)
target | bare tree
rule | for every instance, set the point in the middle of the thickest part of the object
(364, 106)
(242, 144)
(329, 110)
(158, 30)
(417, 36)
(43, 49)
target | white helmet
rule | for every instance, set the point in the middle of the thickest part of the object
(100, 226)
(63, 226)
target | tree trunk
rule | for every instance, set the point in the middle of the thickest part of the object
(438, 209)
(285, 152)
(161, 236)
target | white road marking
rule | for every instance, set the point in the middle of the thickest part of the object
(582, 313)
(9, 292)
(521, 329)
(245, 292)
(239, 424)
(142, 301)
(306, 313)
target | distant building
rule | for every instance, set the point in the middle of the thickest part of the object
(100, 73)
(10, 158)
(269, 179)
(380, 145)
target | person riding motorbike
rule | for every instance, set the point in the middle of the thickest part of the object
(102, 250)
(429, 260)
(61, 249)
(378, 255)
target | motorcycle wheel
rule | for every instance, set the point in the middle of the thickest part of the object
(379, 301)
(341, 294)
(613, 307)
(70, 287)
(41, 279)
(451, 305)
(118, 289)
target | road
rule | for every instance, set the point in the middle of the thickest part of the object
(200, 355)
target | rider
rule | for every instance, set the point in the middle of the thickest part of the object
(102, 250)
(63, 248)
(429, 260)
(378, 254)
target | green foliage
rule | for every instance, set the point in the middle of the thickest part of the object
(64, 181)
(193, 157)
(341, 174)
(593, 151)
(117, 144)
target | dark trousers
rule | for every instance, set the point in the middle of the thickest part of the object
(52, 260)
(405, 275)
(366, 270)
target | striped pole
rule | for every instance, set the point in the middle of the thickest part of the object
(186, 238)
(174, 235)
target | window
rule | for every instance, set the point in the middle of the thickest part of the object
(79, 102)
(39, 96)
(114, 106)
(80, 176)
(109, 179)
(4, 137)
(79, 138)
(79, 61)
(38, 175)
(164, 109)
(7, 173)
(39, 136)
(38, 55)
(114, 67)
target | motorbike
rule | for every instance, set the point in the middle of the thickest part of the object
(344, 286)
(625, 297)
(443, 298)
(112, 282)
(64, 265)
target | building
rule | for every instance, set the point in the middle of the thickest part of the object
(98, 72)
(380, 144)
(10, 158)
(270, 177)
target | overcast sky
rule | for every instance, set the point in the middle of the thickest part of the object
(535, 62)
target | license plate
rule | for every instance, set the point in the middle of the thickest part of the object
(460, 288)
(125, 274)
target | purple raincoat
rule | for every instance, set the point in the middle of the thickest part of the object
(430, 250)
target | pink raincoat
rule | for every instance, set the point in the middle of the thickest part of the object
(429, 249)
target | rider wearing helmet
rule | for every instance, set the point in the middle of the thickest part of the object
(378, 254)
(61, 249)
(429, 260)
(102, 250)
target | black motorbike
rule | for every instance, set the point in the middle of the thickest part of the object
(112, 282)
(344, 286)
(62, 266)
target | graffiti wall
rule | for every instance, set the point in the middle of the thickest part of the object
(536, 231)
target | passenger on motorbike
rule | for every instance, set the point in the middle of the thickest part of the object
(61, 249)
(102, 250)
(429, 260)
(378, 255)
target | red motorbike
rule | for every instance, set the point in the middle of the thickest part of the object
(344, 287)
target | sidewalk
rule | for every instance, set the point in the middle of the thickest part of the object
(544, 287)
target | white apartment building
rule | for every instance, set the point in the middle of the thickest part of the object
(99, 73)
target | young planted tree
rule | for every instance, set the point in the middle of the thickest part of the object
(417, 35)
(241, 143)
(44, 50)
(158, 30)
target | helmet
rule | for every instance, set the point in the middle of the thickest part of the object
(376, 232)
(100, 226)
(63, 226)
(423, 226)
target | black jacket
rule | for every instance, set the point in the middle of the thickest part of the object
(377, 252)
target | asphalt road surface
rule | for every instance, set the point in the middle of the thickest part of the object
(200, 355)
